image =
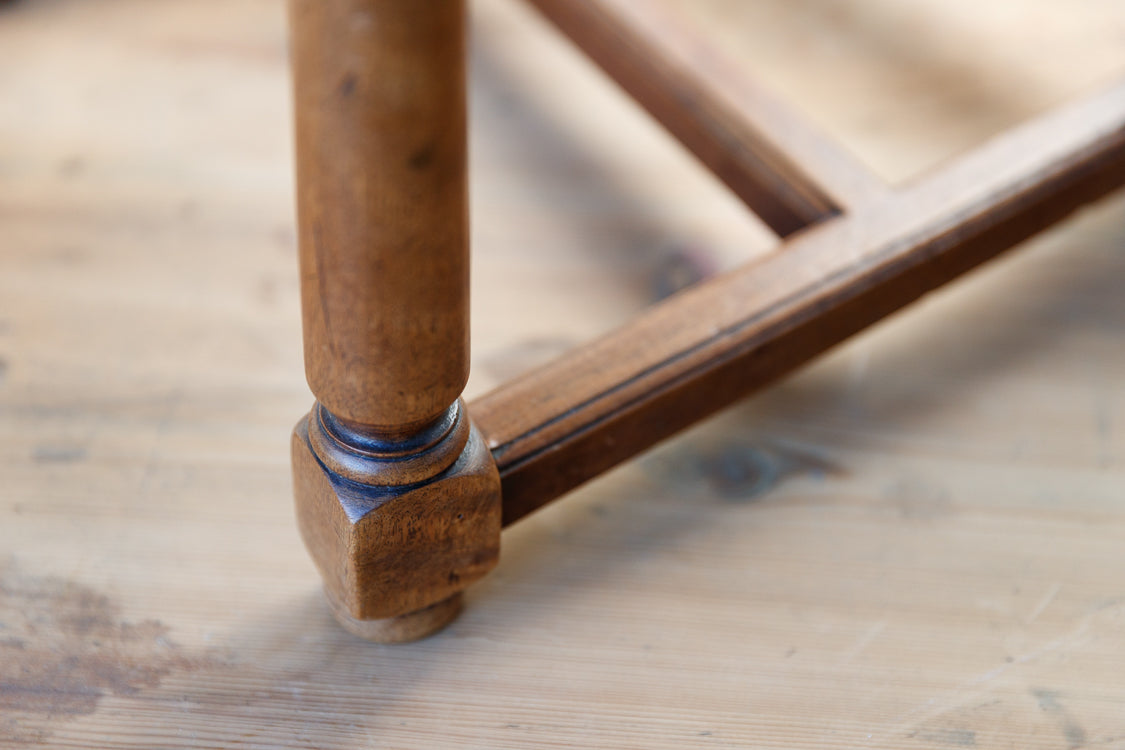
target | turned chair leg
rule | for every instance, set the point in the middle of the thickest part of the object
(398, 494)
(398, 497)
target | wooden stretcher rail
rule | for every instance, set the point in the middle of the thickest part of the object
(790, 175)
(703, 349)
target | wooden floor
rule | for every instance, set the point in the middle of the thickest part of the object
(917, 543)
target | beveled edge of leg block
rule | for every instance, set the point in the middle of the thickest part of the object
(395, 557)
(412, 626)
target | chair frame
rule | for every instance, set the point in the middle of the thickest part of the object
(402, 490)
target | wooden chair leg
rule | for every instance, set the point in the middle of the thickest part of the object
(398, 497)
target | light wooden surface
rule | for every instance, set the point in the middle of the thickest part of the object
(917, 542)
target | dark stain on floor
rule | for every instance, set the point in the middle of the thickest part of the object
(680, 267)
(63, 647)
(58, 454)
(1051, 703)
(737, 470)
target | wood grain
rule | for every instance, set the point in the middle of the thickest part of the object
(398, 499)
(696, 353)
(776, 162)
(914, 542)
(379, 96)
